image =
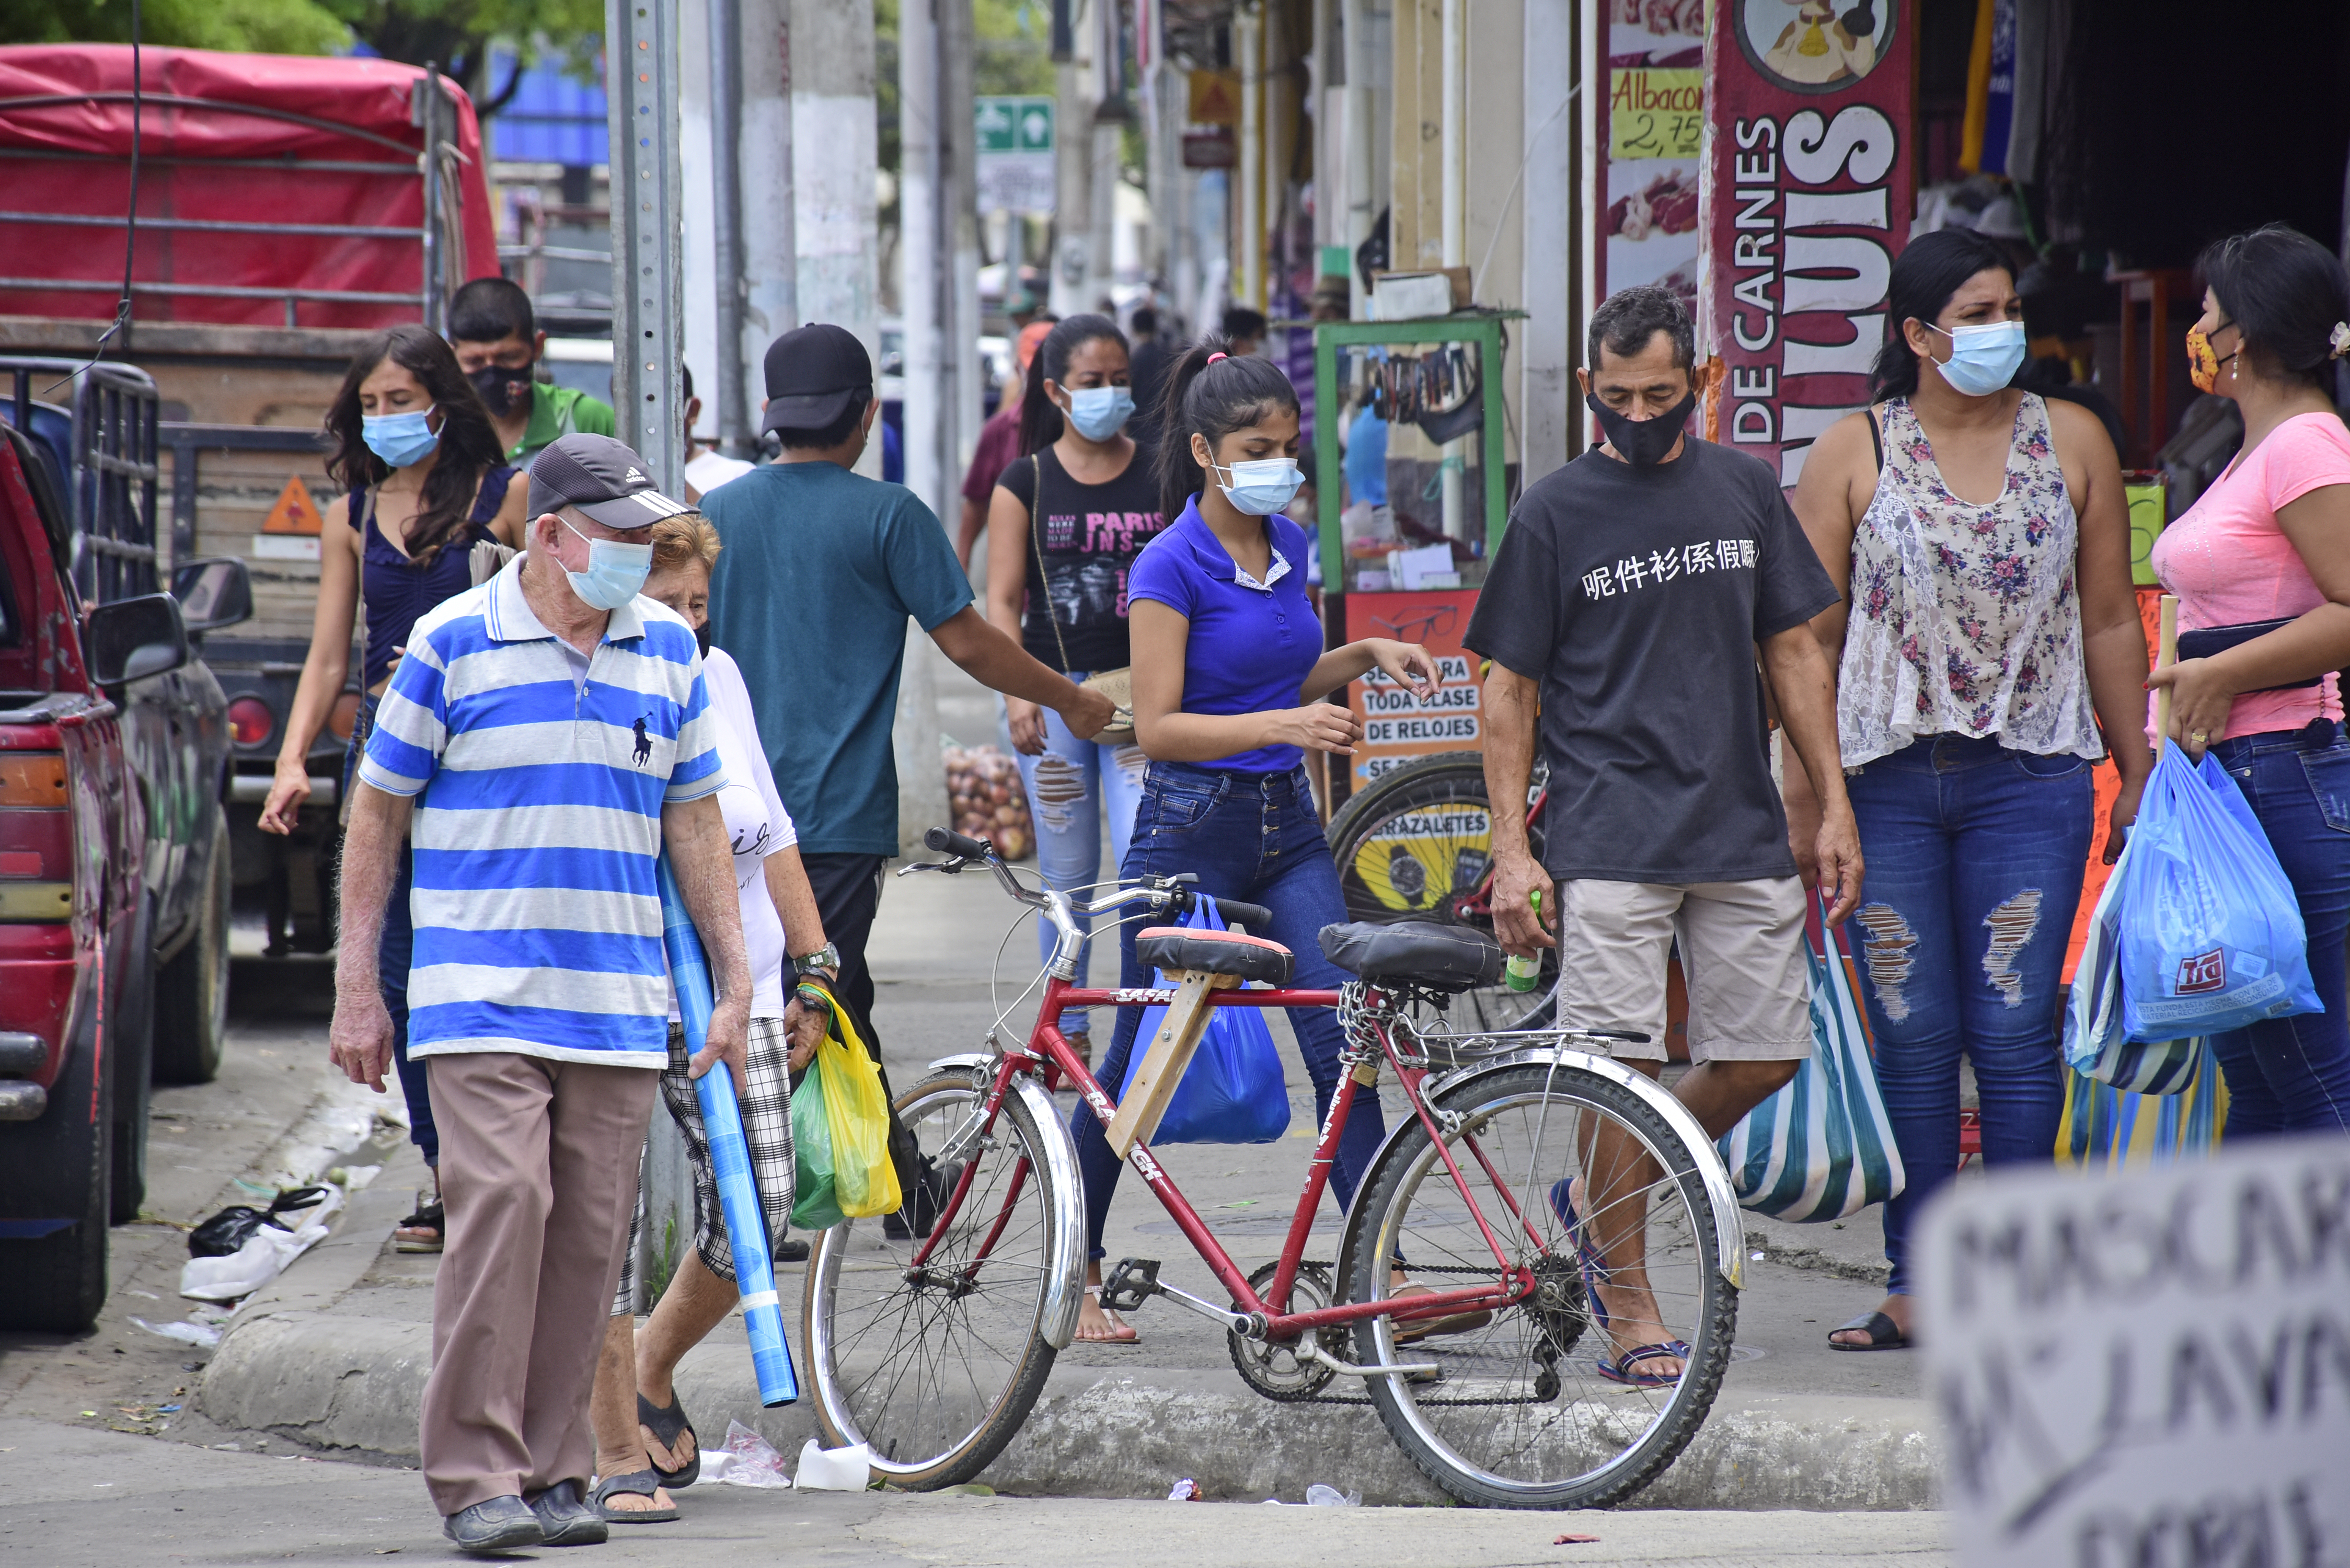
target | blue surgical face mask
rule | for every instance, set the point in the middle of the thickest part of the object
(615, 571)
(399, 438)
(1263, 487)
(1098, 413)
(1982, 358)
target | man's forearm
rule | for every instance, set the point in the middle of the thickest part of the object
(371, 863)
(794, 902)
(985, 654)
(1805, 689)
(1510, 718)
(702, 858)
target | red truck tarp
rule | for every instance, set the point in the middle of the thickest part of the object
(275, 138)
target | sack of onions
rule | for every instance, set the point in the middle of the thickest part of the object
(985, 794)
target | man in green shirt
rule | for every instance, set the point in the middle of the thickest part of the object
(498, 347)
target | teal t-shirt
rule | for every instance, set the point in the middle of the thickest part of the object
(810, 595)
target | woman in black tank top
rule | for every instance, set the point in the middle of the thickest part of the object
(425, 479)
(1065, 522)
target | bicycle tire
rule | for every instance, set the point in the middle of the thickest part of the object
(1412, 845)
(947, 1449)
(1502, 1364)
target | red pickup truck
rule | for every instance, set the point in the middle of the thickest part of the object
(113, 848)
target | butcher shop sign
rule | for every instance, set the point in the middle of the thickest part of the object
(1807, 195)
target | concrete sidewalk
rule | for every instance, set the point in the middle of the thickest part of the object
(331, 1358)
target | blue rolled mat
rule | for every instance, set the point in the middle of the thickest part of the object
(730, 1153)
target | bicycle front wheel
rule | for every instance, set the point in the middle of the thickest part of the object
(1592, 1190)
(936, 1365)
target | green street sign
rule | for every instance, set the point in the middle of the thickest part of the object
(1015, 125)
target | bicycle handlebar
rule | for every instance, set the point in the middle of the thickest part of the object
(1255, 917)
(946, 843)
(1171, 897)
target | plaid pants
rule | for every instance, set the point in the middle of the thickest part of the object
(765, 1097)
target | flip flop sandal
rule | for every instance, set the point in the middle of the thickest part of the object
(637, 1483)
(669, 1424)
(429, 1216)
(1621, 1369)
(1883, 1333)
(1411, 1330)
(1123, 1332)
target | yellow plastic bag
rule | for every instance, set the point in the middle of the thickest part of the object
(856, 1108)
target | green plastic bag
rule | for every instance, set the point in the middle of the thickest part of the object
(813, 1205)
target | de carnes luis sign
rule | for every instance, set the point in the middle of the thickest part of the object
(1805, 198)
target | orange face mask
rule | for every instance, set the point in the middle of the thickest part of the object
(2202, 363)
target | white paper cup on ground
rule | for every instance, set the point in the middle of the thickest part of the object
(835, 1469)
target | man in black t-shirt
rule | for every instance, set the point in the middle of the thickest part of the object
(1625, 608)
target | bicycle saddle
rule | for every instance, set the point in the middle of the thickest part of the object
(1429, 954)
(1179, 948)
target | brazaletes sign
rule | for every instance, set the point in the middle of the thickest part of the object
(1805, 198)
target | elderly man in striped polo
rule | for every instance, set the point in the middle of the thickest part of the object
(544, 737)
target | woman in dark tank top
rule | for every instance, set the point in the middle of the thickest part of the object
(424, 481)
(1065, 522)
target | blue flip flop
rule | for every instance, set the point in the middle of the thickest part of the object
(1594, 1266)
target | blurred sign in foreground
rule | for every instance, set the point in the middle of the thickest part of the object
(2146, 1368)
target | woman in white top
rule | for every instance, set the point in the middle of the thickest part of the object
(1987, 633)
(643, 1447)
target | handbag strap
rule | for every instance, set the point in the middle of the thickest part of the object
(1036, 544)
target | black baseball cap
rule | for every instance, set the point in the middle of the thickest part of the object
(814, 374)
(602, 477)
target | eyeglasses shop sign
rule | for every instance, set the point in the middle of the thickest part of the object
(2150, 1368)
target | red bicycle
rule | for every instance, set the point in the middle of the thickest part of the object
(1536, 1285)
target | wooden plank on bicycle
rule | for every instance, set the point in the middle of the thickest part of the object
(1153, 1084)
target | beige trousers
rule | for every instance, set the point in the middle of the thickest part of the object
(539, 1167)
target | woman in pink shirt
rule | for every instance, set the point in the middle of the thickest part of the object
(2260, 565)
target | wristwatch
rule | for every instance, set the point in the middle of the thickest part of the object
(825, 961)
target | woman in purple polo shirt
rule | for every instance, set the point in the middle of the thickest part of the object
(1228, 674)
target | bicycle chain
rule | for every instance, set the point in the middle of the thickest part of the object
(1364, 1398)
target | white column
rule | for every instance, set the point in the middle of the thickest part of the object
(1248, 53)
(1546, 342)
(834, 159)
(958, 138)
(919, 251)
(769, 203)
(1452, 150)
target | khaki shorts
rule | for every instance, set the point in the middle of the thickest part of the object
(1741, 950)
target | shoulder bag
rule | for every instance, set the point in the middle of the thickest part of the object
(1117, 685)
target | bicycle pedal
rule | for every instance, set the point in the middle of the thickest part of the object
(1130, 1283)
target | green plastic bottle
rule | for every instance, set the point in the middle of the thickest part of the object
(1524, 973)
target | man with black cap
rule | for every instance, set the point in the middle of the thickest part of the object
(820, 570)
(546, 737)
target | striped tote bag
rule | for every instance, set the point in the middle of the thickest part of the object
(2105, 1128)
(1821, 1148)
(2096, 1047)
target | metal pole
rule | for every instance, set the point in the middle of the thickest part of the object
(648, 234)
(1248, 31)
(436, 297)
(732, 393)
(922, 255)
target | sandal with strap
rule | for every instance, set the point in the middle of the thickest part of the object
(1121, 1331)
(637, 1483)
(1883, 1333)
(425, 1230)
(669, 1424)
(1621, 1369)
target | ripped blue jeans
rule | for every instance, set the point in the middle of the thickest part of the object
(1974, 855)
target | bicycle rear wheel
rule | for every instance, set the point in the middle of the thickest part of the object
(1416, 844)
(1519, 1416)
(935, 1367)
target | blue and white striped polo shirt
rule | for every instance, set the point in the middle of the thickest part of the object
(537, 825)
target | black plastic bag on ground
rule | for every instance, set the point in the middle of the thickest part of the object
(226, 1232)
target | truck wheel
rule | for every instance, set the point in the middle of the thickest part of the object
(57, 1284)
(192, 990)
(131, 1051)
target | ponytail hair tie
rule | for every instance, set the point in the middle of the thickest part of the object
(2339, 339)
(2340, 333)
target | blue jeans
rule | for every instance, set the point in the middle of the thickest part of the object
(1069, 789)
(2293, 1074)
(1974, 855)
(1258, 837)
(392, 954)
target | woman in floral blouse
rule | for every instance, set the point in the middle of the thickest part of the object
(1989, 630)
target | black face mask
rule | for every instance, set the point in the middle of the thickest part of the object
(1642, 443)
(502, 390)
(702, 638)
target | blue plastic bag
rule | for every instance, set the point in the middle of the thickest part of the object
(1234, 1090)
(2211, 933)
(2096, 1047)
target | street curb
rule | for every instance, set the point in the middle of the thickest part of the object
(353, 1385)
